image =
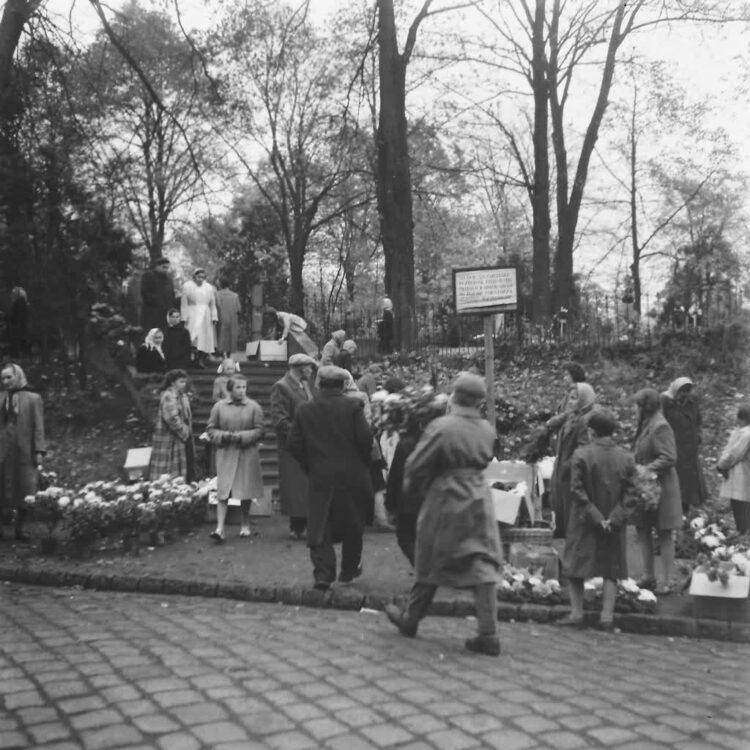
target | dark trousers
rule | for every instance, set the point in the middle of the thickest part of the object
(323, 556)
(741, 511)
(485, 603)
(297, 524)
(406, 534)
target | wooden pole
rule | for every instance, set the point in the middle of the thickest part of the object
(489, 366)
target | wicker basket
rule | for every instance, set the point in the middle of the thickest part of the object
(539, 536)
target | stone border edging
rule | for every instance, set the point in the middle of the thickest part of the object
(348, 599)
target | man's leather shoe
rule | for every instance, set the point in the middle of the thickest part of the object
(396, 616)
(349, 577)
(484, 644)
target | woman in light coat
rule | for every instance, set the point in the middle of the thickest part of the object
(734, 466)
(654, 448)
(235, 427)
(457, 543)
(173, 452)
(200, 314)
(22, 444)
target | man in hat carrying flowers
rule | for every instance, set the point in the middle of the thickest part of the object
(332, 441)
(286, 395)
(458, 543)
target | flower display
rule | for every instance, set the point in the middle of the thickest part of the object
(114, 510)
(393, 411)
(648, 489)
(523, 586)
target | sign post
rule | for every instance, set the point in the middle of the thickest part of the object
(486, 291)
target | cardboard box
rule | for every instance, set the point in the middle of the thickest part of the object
(136, 463)
(273, 351)
(737, 587)
(251, 348)
(506, 505)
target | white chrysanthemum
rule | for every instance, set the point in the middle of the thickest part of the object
(629, 585)
(711, 541)
(378, 396)
(30, 499)
(393, 398)
(646, 596)
(64, 501)
(554, 585)
(698, 523)
(535, 581)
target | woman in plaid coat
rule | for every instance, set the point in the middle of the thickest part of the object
(173, 451)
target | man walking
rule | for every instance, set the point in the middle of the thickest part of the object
(332, 441)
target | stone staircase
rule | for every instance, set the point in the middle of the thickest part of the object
(260, 377)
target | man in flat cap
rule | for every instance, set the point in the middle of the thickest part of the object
(286, 395)
(332, 441)
(333, 348)
(458, 543)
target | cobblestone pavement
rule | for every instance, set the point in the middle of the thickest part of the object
(82, 669)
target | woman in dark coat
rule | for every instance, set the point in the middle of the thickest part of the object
(681, 411)
(286, 395)
(458, 544)
(22, 444)
(573, 434)
(603, 497)
(655, 449)
(149, 359)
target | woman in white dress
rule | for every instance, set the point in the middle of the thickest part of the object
(200, 314)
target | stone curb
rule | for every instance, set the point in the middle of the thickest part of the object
(351, 600)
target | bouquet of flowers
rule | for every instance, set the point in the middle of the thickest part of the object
(392, 412)
(648, 488)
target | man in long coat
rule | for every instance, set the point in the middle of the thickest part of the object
(286, 394)
(228, 307)
(332, 441)
(157, 294)
(22, 444)
(458, 543)
(235, 427)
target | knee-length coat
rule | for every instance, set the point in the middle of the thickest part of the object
(655, 449)
(458, 543)
(573, 434)
(173, 436)
(21, 438)
(332, 441)
(602, 487)
(236, 428)
(286, 395)
(685, 420)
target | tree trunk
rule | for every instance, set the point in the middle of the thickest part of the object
(296, 263)
(540, 189)
(568, 208)
(394, 180)
(635, 268)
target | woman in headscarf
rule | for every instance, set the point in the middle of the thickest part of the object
(150, 357)
(573, 433)
(654, 448)
(173, 452)
(681, 411)
(22, 444)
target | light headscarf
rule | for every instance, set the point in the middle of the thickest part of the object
(151, 345)
(223, 366)
(586, 397)
(676, 385)
(19, 381)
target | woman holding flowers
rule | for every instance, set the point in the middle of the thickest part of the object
(173, 451)
(235, 427)
(603, 496)
(573, 434)
(655, 450)
(22, 444)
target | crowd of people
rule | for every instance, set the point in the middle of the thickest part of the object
(421, 475)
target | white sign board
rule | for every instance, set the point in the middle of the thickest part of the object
(485, 290)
